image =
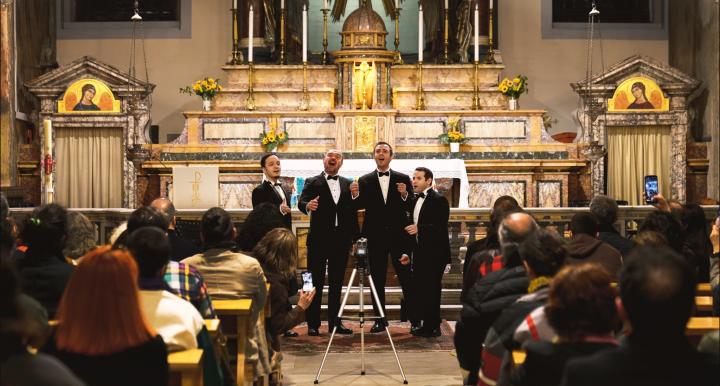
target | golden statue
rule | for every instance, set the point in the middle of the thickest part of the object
(364, 75)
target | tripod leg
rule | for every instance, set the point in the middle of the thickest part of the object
(342, 308)
(387, 328)
(361, 291)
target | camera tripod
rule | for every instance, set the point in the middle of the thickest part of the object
(361, 269)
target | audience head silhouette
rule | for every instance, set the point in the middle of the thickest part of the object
(583, 224)
(605, 210)
(81, 236)
(166, 207)
(4, 207)
(262, 219)
(151, 249)
(277, 252)
(543, 253)
(514, 229)
(17, 329)
(667, 225)
(216, 227)
(45, 231)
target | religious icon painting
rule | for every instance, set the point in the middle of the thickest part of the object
(638, 94)
(88, 96)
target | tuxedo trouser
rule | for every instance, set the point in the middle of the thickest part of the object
(379, 249)
(427, 292)
(332, 252)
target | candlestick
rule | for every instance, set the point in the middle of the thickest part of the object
(304, 36)
(237, 56)
(476, 88)
(420, 101)
(476, 37)
(398, 56)
(250, 101)
(282, 32)
(305, 100)
(250, 35)
(446, 33)
(491, 53)
(420, 34)
(325, 11)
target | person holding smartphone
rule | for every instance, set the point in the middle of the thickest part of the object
(326, 198)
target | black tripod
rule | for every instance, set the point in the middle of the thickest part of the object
(361, 267)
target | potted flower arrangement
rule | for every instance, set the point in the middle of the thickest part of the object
(270, 140)
(454, 137)
(513, 88)
(205, 88)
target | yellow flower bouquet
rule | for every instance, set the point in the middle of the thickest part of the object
(513, 88)
(270, 140)
(205, 88)
(453, 134)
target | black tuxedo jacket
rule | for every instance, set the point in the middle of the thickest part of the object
(384, 220)
(432, 243)
(323, 219)
(265, 192)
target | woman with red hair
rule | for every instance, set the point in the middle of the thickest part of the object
(102, 335)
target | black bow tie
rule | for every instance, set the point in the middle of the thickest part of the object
(380, 174)
(275, 184)
(335, 177)
(420, 195)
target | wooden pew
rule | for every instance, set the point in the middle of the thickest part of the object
(703, 289)
(699, 326)
(188, 365)
(704, 303)
(212, 325)
(235, 318)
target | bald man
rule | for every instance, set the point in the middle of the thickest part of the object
(180, 247)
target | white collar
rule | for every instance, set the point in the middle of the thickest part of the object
(426, 191)
(265, 179)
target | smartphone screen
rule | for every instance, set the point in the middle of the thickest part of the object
(307, 281)
(651, 188)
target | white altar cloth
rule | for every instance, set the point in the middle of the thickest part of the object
(354, 168)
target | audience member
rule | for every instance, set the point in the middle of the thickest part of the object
(584, 247)
(697, 238)
(117, 232)
(669, 226)
(4, 207)
(233, 275)
(43, 271)
(277, 253)
(605, 210)
(543, 254)
(715, 266)
(81, 236)
(492, 293)
(7, 239)
(20, 329)
(650, 238)
(183, 280)
(657, 294)
(262, 219)
(581, 311)
(102, 334)
(180, 247)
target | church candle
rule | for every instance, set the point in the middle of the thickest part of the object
(420, 34)
(304, 42)
(448, 5)
(47, 132)
(491, 4)
(282, 4)
(234, 4)
(476, 39)
(250, 34)
(397, 4)
(325, 4)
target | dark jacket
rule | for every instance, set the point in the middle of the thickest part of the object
(587, 249)
(665, 361)
(44, 278)
(545, 361)
(609, 235)
(265, 192)
(283, 316)
(181, 247)
(323, 219)
(433, 244)
(483, 304)
(141, 365)
(384, 220)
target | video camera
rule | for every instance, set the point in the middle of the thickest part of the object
(361, 252)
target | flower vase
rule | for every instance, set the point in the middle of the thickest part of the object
(207, 104)
(454, 147)
(270, 148)
(512, 104)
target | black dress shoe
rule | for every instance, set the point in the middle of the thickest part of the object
(429, 333)
(291, 334)
(415, 328)
(343, 330)
(377, 327)
(313, 331)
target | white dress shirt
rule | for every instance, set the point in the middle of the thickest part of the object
(384, 185)
(334, 185)
(418, 206)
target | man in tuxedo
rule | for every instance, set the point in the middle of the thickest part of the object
(384, 196)
(333, 228)
(271, 190)
(431, 254)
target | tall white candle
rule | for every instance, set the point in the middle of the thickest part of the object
(476, 38)
(421, 45)
(448, 5)
(234, 4)
(491, 4)
(397, 4)
(250, 34)
(47, 137)
(282, 4)
(304, 46)
(325, 4)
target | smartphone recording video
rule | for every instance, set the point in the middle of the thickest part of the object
(651, 188)
(307, 281)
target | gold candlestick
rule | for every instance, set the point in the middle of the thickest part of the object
(445, 39)
(476, 88)
(282, 36)
(305, 101)
(398, 56)
(420, 102)
(250, 101)
(237, 57)
(490, 59)
(325, 36)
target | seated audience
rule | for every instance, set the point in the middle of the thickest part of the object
(715, 266)
(102, 334)
(262, 219)
(584, 247)
(81, 237)
(183, 280)
(581, 311)
(180, 247)
(650, 238)
(605, 210)
(492, 293)
(657, 295)
(4, 207)
(543, 254)
(43, 270)
(697, 238)
(233, 275)
(668, 225)
(19, 330)
(7, 239)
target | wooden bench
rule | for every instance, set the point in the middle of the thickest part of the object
(213, 326)
(704, 303)
(188, 366)
(698, 326)
(703, 289)
(235, 318)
